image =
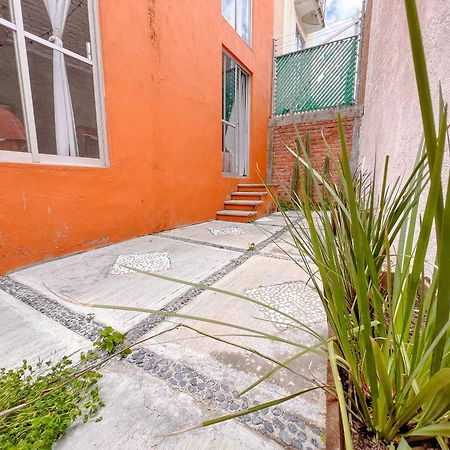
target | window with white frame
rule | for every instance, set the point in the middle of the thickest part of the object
(51, 108)
(238, 14)
(235, 118)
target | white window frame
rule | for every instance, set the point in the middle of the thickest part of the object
(93, 60)
(250, 22)
(240, 127)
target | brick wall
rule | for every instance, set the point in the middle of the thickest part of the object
(283, 162)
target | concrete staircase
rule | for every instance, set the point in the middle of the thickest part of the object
(249, 202)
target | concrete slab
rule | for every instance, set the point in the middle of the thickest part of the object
(27, 334)
(140, 410)
(88, 277)
(272, 220)
(240, 368)
(220, 233)
(297, 215)
(283, 246)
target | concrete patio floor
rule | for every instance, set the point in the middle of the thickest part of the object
(180, 378)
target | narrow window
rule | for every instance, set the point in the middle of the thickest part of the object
(235, 118)
(50, 92)
(238, 15)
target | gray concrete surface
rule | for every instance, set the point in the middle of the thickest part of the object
(201, 232)
(240, 368)
(27, 334)
(141, 411)
(274, 220)
(283, 246)
(148, 395)
(87, 277)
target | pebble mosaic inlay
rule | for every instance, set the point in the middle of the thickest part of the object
(226, 231)
(296, 299)
(148, 262)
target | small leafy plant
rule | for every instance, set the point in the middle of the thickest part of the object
(37, 404)
(109, 339)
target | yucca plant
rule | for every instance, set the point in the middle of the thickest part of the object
(365, 250)
(390, 321)
(369, 270)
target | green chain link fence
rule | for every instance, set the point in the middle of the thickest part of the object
(317, 78)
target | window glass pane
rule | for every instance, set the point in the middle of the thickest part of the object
(12, 130)
(229, 139)
(243, 19)
(70, 16)
(74, 130)
(40, 64)
(36, 19)
(229, 11)
(5, 10)
(229, 90)
(83, 102)
(234, 118)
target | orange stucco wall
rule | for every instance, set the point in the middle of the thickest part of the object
(162, 68)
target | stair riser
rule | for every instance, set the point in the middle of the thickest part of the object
(251, 189)
(249, 197)
(257, 208)
(235, 219)
(240, 208)
(262, 188)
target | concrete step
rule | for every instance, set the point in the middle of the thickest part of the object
(256, 187)
(257, 195)
(236, 216)
(251, 187)
(243, 205)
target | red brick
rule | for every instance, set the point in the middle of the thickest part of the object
(283, 161)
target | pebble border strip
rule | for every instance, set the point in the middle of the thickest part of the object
(73, 320)
(287, 429)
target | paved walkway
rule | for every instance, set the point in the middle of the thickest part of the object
(180, 378)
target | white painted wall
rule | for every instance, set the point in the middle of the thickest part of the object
(285, 24)
(392, 123)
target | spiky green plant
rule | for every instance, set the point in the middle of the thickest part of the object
(295, 172)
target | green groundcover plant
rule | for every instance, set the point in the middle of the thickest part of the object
(365, 250)
(39, 402)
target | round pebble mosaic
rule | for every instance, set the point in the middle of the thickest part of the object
(296, 299)
(149, 262)
(226, 231)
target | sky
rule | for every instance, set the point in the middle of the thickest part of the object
(337, 11)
